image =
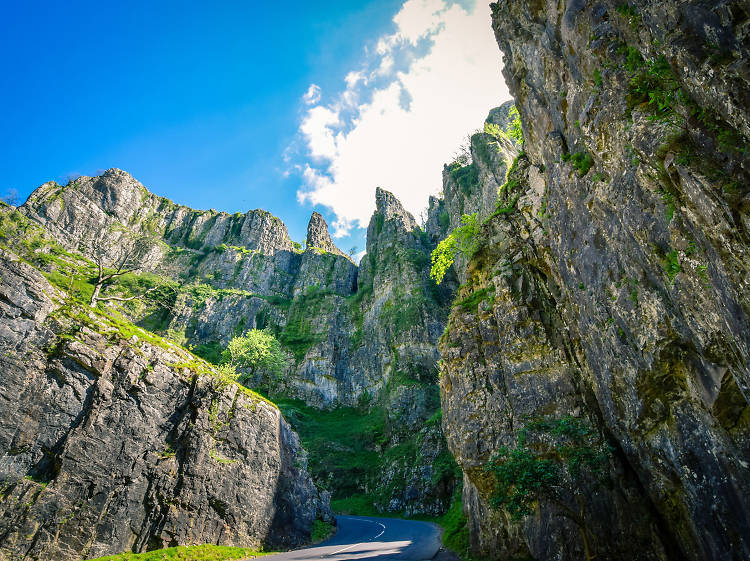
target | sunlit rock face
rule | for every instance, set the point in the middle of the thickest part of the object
(354, 336)
(616, 290)
(110, 444)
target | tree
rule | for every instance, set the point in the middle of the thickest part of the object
(462, 240)
(554, 460)
(11, 197)
(130, 259)
(258, 350)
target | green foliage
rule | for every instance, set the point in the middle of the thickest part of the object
(403, 313)
(299, 333)
(189, 553)
(631, 13)
(515, 130)
(582, 161)
(379, 220)
(672, 265)
(552, 458)
(656, 85)
(210, 351)
(456, 528)
(444, 220)
(463, 240)
(321, 531)
(465, 176)
(598, 80)
(341, 444)
(633, 58)
(445, 468)
(669, 202)
(470, 302)
(357, 505)
(256, 350)
(493, 130)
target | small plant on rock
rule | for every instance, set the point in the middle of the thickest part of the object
(462, 240)
(554, 460)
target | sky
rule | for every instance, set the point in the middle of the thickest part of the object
(234, 105)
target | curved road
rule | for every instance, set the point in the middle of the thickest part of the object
(363, 537)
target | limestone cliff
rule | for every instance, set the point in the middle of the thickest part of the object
(113, 439)
(354, 335)
(614, 286)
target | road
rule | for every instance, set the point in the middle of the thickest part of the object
(362, 537)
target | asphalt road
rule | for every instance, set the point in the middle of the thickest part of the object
(362, 537)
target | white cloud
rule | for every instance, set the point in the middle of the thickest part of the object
(444, 61)
(312, 95)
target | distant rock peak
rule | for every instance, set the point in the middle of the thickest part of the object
(390, 207)
(319, 237)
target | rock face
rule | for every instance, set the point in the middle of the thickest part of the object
(354, 335)
(615, 289)
(110, 443)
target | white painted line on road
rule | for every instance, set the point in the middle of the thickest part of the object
(340, 550)
(356, 544)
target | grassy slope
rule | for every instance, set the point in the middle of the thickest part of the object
(190, 553)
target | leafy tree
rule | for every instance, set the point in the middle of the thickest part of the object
(256, 351)
(462, 240)
(554, 460)
(514, 130)
(132, 250)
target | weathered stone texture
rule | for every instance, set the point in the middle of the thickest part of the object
(618, 294)
(109, 445)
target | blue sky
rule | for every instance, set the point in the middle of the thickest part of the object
(203, 102)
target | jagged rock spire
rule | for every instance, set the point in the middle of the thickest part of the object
(318, 236)
(390, 207)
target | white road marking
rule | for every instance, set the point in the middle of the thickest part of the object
(356, 544)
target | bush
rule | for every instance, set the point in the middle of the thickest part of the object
(582, 161)
(257, 350)
(462, 240)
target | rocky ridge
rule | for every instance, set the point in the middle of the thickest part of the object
(356, 336)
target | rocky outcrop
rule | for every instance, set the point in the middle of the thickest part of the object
(352, 335)
(615, 288)
(318, 236)
(112, 439)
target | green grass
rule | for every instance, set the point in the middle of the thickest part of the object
(299, 333)
(187, 553)
(456, 529)
(321, 531)
(356, 505)
(209, 351)
(470, 303)
(341, 444)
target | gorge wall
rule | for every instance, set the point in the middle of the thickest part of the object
(608, 285)
(113, 439)
(356, 337)
(615, 289)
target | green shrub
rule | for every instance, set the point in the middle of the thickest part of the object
(465, 176)
(552, 459)
(321, 531)
(444, 220)
(582, 161)
(256, 350)
(515, 129)
(463, 240)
